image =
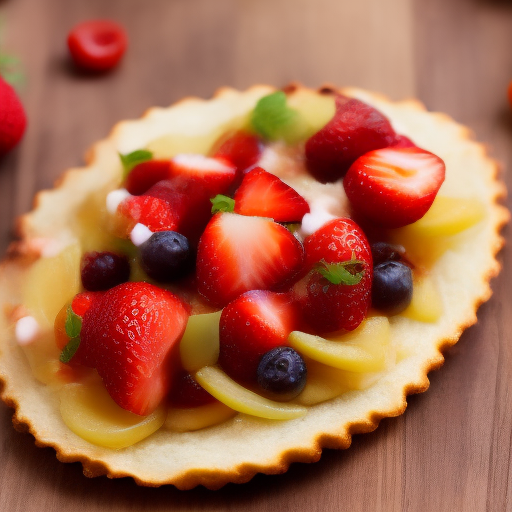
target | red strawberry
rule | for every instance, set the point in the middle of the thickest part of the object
(188, 202)
(214, 174)
(146, 174)
(12, 117)
(186, 392)
(265, 195)
(238, 253)
(97, 45)
(394, 186)
(242, 149)
(250, 326)
(328, 306)
(80, 304)
(131, 336)
(153, 212)
(402, 141)
(355, 129)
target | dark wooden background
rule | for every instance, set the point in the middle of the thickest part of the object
(451, 450)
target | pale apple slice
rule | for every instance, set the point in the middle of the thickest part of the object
(200, 343)
(241, 399)
(197, 418)
(362, 350)
(89, 412)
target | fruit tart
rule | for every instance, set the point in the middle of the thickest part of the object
(231, 285)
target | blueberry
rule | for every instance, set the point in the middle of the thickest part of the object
(282, 373)
(103, 270)
(166, 256)
(392, 287)
(382, 251)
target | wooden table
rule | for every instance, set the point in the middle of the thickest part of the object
(451, 450)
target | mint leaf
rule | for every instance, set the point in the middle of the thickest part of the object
(130, 160)
(346, 272)
(73, 324)
(222, 203)
(273, 119)
(69, 350)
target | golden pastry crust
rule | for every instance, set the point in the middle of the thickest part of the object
(237, 449)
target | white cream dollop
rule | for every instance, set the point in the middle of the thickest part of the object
(115, 198)
(26, 330)
(140, 234)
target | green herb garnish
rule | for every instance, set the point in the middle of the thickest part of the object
(222, 203)
(73, 326)
(273, 119)
(346, 272)
(130, 160)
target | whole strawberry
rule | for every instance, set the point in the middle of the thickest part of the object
(12, 118)
(355, 129)
(336, 293)
(131, 336)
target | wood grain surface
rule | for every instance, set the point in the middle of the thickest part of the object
(451, 450)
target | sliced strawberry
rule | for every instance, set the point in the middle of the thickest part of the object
(250, 326)
(131, 336)
(242, 149)
(238, 253)
(153, 212)
(189, 205)
(355, 129)
(393, 187)
(330, 299)
(146, 174)
(263, 194)
(214, 174)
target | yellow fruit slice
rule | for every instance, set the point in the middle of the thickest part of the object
(316, 109)
(428, 238)
(199, 345)
(426, 304)
(448, 216)
(89, 412)
(362, 350)
(168, 146)
(196, 418)
(50, 283)
(91, 224)
(241, 399)
(323, 383)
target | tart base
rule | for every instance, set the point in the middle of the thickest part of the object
(237, 449)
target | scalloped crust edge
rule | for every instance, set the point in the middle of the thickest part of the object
(243, 472)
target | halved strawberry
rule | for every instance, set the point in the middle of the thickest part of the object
(250, 326)
(215, 174)
(393, 187)
(146, 174)
(188, 202)
(264, 194)
(355, 129)
(237, 253)
(242, 149)
(131, 336)
(336, 293)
